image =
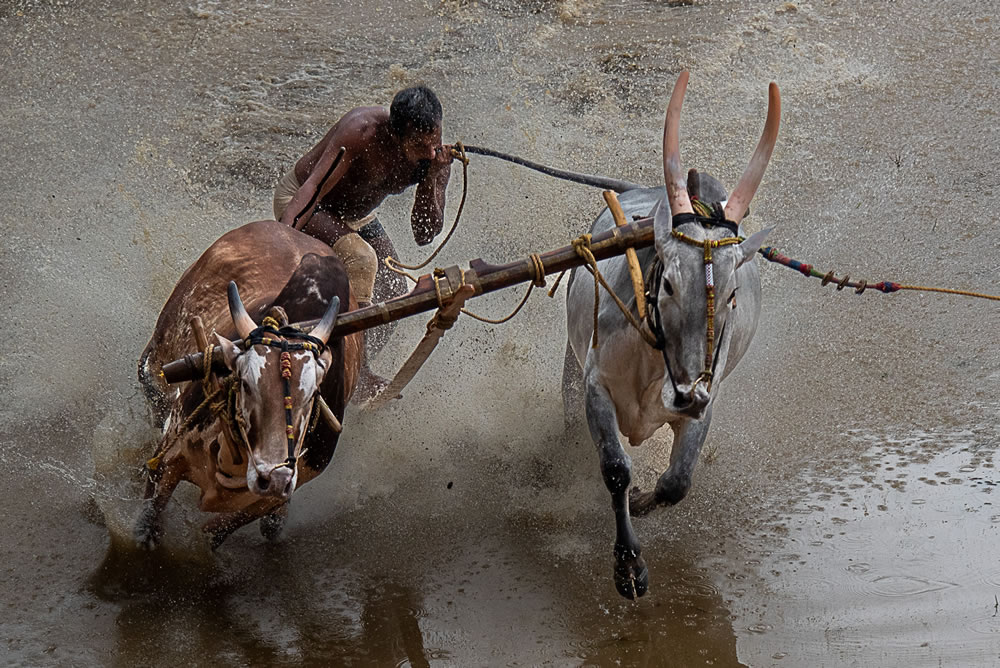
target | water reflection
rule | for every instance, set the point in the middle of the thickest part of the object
(180, 609)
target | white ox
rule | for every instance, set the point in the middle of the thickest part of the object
(635, 388)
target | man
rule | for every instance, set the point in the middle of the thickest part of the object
(386, 152)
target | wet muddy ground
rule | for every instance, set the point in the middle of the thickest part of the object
(842, 513)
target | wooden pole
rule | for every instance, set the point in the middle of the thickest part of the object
(638, 285)
(480, 275)
(448, 313)
(198, 329)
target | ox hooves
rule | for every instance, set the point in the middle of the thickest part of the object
(271, 527)
(631, 578)
(641, 503)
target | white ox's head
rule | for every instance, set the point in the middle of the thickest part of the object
(691, 287)
(277, 376)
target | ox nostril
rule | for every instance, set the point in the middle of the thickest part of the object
(262, 483)
(682, 399)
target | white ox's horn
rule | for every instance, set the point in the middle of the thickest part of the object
(325, 326)
(244, 323)
(673, 175)
(738, 202)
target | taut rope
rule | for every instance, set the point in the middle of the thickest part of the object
(860, 286)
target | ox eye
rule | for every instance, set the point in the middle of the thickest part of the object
(732, 300)
(669, 289)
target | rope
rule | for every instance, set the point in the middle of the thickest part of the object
(582, 247)
(772, 255)
(217, 407)
(537, 281)
(394, 264)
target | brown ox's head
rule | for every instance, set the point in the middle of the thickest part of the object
(277, 373)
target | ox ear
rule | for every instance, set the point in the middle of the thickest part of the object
(229, 351)
(751, 245)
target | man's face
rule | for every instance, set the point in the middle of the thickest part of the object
(421, 146)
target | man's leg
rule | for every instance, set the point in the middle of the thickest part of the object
(361, 264)
(388, 284)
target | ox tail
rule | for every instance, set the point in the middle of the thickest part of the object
(586, 179)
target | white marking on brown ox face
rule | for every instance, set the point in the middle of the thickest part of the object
(261, 404)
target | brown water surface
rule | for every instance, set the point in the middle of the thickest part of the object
(843, 512)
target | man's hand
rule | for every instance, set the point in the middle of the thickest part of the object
(442, 156)
(427, 217)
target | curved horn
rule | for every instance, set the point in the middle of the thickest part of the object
(738, 202)
(244, 323)
(325, 326)
(673, 176)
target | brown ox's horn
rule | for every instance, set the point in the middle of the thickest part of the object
(244, 323)
(738, 202)
(673, 176)
(325, 326)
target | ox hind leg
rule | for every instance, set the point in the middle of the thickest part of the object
(148, 529)
(573, 394)
(631, 575)
(674, 484)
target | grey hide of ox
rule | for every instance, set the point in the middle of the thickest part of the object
(629, 386)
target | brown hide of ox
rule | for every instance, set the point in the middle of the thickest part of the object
(272, 264)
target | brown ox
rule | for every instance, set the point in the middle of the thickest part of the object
(250, 446)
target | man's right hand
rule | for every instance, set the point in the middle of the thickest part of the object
(443, 155)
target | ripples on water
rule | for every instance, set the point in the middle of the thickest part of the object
(897, 551)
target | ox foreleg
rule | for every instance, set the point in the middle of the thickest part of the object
(149, 526)
(631, 575)
(272, 524)
(220, 527)
(674, 484)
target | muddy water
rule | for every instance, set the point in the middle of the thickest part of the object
(843, 511)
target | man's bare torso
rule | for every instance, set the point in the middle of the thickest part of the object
(378, 168)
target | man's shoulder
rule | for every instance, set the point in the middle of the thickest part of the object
(363, 120)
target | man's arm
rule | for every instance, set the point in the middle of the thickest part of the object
(333, 163)
(427, 217)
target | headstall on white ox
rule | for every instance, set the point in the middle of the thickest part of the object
(708, 217)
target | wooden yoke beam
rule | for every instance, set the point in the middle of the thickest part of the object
(483, 277)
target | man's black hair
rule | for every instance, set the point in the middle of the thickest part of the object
(415, 109)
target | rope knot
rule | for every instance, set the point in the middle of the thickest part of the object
(459, 153)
